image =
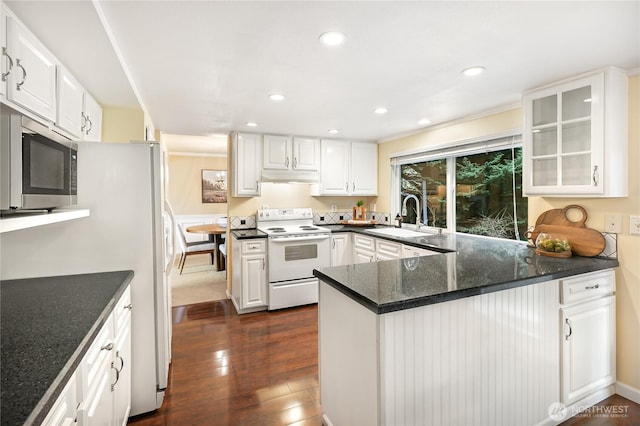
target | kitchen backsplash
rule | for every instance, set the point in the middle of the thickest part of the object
(333, 218)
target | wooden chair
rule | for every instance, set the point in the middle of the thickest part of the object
(189, 249)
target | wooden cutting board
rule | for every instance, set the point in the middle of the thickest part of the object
(559, 217)
(584, 241)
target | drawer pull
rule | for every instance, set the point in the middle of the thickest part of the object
(592, 287)
(566, 337)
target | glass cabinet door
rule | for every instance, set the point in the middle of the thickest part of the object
(559, 123)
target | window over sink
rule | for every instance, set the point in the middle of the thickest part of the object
(474, 187)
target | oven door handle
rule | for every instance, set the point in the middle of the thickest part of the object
(294, 239)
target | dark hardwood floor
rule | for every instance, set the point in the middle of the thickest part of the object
(262, 369)
(230, 369)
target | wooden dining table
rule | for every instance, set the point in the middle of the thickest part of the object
(215, 233)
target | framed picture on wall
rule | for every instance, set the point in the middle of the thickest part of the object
(214, 186)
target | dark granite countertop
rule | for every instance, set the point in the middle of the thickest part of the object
(245, 234)
(474, 265)
(46, 325)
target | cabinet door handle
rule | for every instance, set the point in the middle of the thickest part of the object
(84, 122)
(334, 243)
(6, 74)
(257, 185)
(354, 186)
(592, 287)
(121, 362)
(295, 162)
(24, 74)
(566, 337)
(346, 186)
(595, 176)
(129, 306)
(107, 347)
(286, 162)
(113, 385)
(90, 125)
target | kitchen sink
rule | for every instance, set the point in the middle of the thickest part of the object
(397, 232)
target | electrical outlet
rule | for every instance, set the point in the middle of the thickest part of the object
(613, 223)
(634, 225)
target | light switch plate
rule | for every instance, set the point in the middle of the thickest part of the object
(634, 225)
(613, 223)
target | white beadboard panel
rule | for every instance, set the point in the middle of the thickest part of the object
(348, 362)
(488, 359)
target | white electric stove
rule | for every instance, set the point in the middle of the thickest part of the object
(295, 248)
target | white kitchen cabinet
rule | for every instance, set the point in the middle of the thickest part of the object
(32, 81)
(411, 251)
(64, 410)
(92, 119)
(387, 250)
(105, 371)
(306, 154)
(70, 104)
(277, 152)
(348, 168)
(122, 360)
(249, 280)
(335, 160)
(364, 249)
(364, 168)
(566, 129)
(6, 61)
(287, 153)
(588, 358)
(247, 162)
(287, 158)
(341, 249)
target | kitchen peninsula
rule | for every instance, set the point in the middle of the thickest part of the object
(472, 336)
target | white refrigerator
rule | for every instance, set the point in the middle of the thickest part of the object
(128, 228)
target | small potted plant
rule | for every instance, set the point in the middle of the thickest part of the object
(360, 211)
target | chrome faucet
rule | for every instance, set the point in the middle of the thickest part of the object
(404, 208)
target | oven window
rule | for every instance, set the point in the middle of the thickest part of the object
(300, 252)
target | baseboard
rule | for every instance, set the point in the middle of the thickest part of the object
(628, 392)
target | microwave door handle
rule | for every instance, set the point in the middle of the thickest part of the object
(294, 239)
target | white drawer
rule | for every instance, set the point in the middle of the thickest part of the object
(99, 353)
(254, 246)
(364, 243)
(587, 286)
(388, 249)
(122, 310)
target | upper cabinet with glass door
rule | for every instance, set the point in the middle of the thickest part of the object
(575, 137)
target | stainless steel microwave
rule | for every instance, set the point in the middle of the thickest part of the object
(38, 167)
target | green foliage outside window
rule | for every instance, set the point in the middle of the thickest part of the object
(484, 193)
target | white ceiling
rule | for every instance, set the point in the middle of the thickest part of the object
(206, 67)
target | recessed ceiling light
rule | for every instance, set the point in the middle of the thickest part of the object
(472, 71)
(332, 38)
(276, 96)
(333, 131)
(380, 110)
(251, 123)
(424, 121)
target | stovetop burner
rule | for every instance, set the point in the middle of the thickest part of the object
(294, 222)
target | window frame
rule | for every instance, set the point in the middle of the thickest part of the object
(449, 152)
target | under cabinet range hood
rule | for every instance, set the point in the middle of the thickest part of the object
(290, 176)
